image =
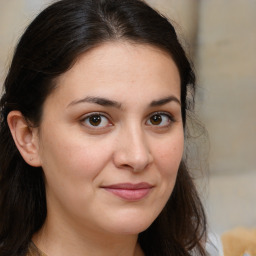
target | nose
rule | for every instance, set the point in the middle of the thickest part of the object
(132, 151)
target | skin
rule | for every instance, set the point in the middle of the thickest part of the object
(137, 137)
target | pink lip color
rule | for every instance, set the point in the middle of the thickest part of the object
(129, 191)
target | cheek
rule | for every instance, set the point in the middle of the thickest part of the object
(73, 158)
(169, 155)
(167, 159)
(71, 167)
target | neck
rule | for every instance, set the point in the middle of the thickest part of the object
(58, 239)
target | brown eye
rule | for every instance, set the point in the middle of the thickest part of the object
(156, 119)
(160, 120)
(95, 120)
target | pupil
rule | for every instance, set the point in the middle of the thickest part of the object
(95, 120)
(156, 119)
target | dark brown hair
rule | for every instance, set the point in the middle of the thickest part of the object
(47, 49)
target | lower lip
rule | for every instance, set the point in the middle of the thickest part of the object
(130, 194)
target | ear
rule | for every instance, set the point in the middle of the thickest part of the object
(25, 138)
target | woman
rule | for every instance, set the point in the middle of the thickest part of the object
(93, 119)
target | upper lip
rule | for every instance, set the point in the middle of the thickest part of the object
(129, 186)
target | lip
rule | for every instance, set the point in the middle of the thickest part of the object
(130, 191)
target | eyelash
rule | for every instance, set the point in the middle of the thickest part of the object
(96, 114)
(99, 116)
(166, 115)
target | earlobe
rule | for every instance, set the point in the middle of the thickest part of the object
(25, 138)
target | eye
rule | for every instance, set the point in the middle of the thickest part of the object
(96, 120)
(160, 120)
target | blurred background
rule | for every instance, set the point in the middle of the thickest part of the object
(220, 38)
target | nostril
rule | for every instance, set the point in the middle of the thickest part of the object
(127, 166)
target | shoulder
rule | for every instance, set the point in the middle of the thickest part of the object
(214, 245)
(33, 251)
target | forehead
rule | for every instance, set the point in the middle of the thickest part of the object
(115, 68)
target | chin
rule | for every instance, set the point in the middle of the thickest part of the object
(130, 230)
(131, 224)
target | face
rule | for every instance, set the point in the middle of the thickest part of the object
(111, 138)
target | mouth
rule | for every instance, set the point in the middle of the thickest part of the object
(130, 191)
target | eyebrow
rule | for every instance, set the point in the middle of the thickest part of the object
(97, 100)
(164, 101)
(111, 103)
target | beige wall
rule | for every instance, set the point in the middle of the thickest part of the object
(222, 38)
(226, 64)
(226, 59)
(10, 22)
(14, 17)
(184, 13)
